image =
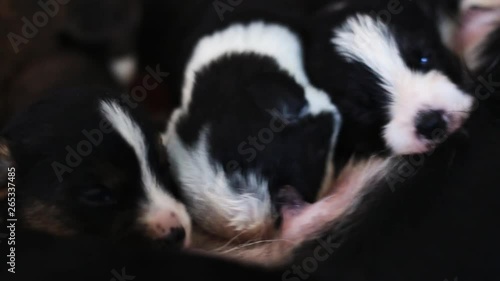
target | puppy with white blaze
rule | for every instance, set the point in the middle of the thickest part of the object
(252, 139)
(399, 89)
(88, 165)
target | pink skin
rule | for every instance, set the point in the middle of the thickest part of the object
(161, 224)
(476, 24)
(311, 219)
(307, 220)
(293, 204)
(303, 221)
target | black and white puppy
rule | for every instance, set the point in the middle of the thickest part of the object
(85, 163)
(385, 65)
(400, 93)
(424, 221)
(249, 124)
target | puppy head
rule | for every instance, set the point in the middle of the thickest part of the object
(88, 164)
(244, 137)
(404, 76)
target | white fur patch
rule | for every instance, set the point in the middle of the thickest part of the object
(158, 199)
(124, 69)
(368, 41)
(355, 181)
(202, 179)
(210, 195)
(270, 40)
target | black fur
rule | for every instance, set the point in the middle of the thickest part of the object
(96, 192)
(354, 87)
(438, 222)
(234, 95)
(82, 258)
(170, 29)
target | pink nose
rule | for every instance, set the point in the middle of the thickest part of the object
(166, 227)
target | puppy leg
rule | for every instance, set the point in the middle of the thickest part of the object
(306, 222)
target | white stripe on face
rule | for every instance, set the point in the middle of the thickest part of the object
(365, 40)
(368, 41)
(159, 201)
(208, 190)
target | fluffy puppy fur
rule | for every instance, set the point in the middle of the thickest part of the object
(401, 92)
(87, 164)
(384, 64)
(215, 116)
(439, 222)
(251, 138)
(403, 99)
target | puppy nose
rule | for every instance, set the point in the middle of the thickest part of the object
(167, 229)
(431, 124)
(173, 239)
(176, 236)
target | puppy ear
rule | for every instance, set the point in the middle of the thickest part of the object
(6, 162)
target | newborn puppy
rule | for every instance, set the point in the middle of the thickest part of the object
(249, 124)
(400, 93)
(399, 89)
(87, 164)
(417, 229)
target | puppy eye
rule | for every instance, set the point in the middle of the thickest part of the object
(424, 61)
(97, 196)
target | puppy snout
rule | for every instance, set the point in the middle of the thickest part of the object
(176, 235)
(431, 124)
(167, 229)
